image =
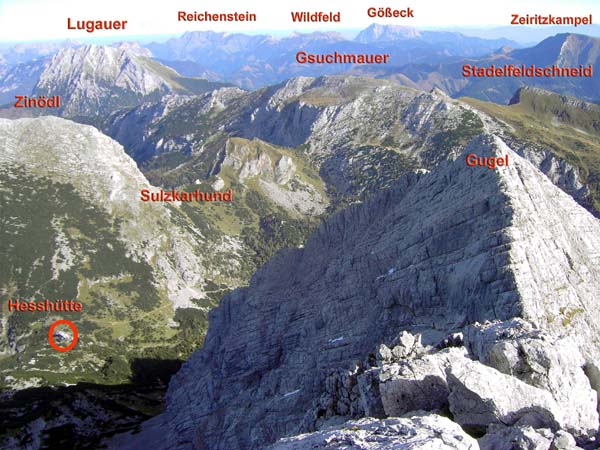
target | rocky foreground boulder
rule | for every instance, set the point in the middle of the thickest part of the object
(467, 294)
(416, 432)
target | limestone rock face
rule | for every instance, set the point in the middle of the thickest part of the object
(85, 77)
(417, 383)
(535, 357)
(517, 438)
(560, 172)
(592, 371)
(414, 432)
(276, 174)
(481, 396)
(96, 79)
(433, 255)
(563, 441)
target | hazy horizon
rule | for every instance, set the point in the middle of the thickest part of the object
(44, 20)
(531, 35)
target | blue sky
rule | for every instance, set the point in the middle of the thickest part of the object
(23, 20)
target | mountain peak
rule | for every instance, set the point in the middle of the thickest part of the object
(134, 48)
(96, 79)
(201, 35)
(89, 77)
(382, 33)
(316, 35)
(432, 255)
(439, 93)
(564, 50)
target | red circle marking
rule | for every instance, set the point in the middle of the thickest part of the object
(51, 335)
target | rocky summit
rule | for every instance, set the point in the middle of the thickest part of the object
(94, 80)
(456, 308)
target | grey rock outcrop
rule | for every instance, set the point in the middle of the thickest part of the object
(436, 253)
(541, 360)
(563, 441)
(480, 396)
(95, 79)
(592, 371)
(276, 174)
(417, 384)
(517, 438)
(414, 432)
(560, 172)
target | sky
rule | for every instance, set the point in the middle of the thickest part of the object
(27, 20)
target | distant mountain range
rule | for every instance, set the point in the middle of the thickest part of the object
(175, 127)
(361, 133)
(95, 80)
(251, 61)
(25, 52)
(527, 35)
(255, 61)
(562, 50)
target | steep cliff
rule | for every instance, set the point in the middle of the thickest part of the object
(378, 293)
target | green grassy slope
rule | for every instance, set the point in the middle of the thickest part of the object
(57, 245)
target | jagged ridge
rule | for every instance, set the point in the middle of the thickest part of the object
(432, 255)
